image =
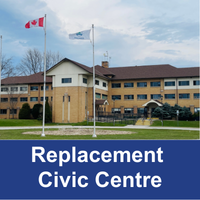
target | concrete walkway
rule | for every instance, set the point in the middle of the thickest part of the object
(101, 127)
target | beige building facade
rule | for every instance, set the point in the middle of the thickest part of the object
(137, 90)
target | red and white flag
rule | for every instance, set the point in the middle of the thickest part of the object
(35, 23)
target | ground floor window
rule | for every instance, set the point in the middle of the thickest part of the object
(116, 110)
(104, 96)
(13, 111)
(155, 96)
(140, 110)
(3, 111)
(128, 110)
(34, 99)
(196, 110)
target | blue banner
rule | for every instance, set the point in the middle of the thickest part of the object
(78, 169)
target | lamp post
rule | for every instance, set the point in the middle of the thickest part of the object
(161, 98)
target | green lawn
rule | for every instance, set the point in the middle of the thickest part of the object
(136, 134)
(194, 124)
(34, 122)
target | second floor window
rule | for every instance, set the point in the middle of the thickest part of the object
(184, 83)
(116, 97)
(23, 89)
(169, 96)
(96, 82)
(128, 85)
(196, 95)
(33, 98)
(184, 96)
(126, 97)
(155, 84)
(155, 96)
(14, 89)
(85, 80)
(4, 89)
(47, 87)
(34, 88)
(23, 99)
(141, 84)
(170, 83)
(4, 100)
(104, 96)
(13, 99)
(104, 84)
(196, 82)
(98, 95)
(141, 96)
(116, 85)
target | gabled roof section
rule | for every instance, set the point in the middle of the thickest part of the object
(32, 79)
(84, 67)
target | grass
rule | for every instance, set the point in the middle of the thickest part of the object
(34, 122)
(137, 135)
(193, 124)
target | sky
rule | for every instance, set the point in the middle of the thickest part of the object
(133, 32)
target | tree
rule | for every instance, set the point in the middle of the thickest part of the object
(37, 111)
(24, 112)
(33, 61)
(48, 113)
(7, 68)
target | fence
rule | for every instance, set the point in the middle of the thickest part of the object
(116, 118)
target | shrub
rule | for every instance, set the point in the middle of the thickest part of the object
(24, 112)
(48, 113)
(37, 111)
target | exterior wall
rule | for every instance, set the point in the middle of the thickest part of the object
(18, 95)
(135, 103)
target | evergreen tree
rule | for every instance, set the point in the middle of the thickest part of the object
(24, 112)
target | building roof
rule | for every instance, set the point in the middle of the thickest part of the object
(32, 79)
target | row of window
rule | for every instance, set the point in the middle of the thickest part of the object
(4, 111)
(69, 80)
(23, 89)
(155, 84)
(98, 96)
(155, 96)
(23, 99)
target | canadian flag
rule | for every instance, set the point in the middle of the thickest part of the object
(35, 23)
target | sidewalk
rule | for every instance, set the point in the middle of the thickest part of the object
(100, 127)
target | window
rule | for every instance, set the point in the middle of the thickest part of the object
(3, 111)
(14, 89)
(4, 89)
(184, 96)
(126, 97)
(140, 110)
(51, 87)
(23, 89)
(170, 83)
(104, 96)
(13, 111)
(183, 83)
(141, 96)
(14, 99)
(116, 110)
(46, 98)
(104, 84)
(196, 110)
(197, 82)
(141, 84)
(169, 96)
(196, 95)
(34, 99)
(155, 96)
(116, 97)
(68, 98)
(51, 98)
(128, 85)
(116, 85)
(66, 80)
(98, 95)
(96, 82)
(4, 100)
(23, 99)
(34, 88)
(128, 110)
(47, 87)
(155, 84)
(85, 80)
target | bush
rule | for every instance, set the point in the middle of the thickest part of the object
(24, 112)
(37, 111)
(48, 113)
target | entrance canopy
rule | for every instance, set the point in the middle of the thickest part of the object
(151, 102)
(101, 102)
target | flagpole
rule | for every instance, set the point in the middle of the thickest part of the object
(94, 135)
(0, 66)
(44, 88)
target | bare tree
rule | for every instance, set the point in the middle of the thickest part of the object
(33, 61)
(7, 68)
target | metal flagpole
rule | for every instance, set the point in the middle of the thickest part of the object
(94, 135)
(44, 88)
(0, 67)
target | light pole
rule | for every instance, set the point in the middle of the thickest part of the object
(161, 98)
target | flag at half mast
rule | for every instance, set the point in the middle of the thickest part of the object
(83, 35)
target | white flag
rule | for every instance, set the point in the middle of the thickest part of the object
(83, 35)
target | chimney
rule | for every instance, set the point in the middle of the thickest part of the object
(105, 64)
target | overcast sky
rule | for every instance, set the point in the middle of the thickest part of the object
(134, 32)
